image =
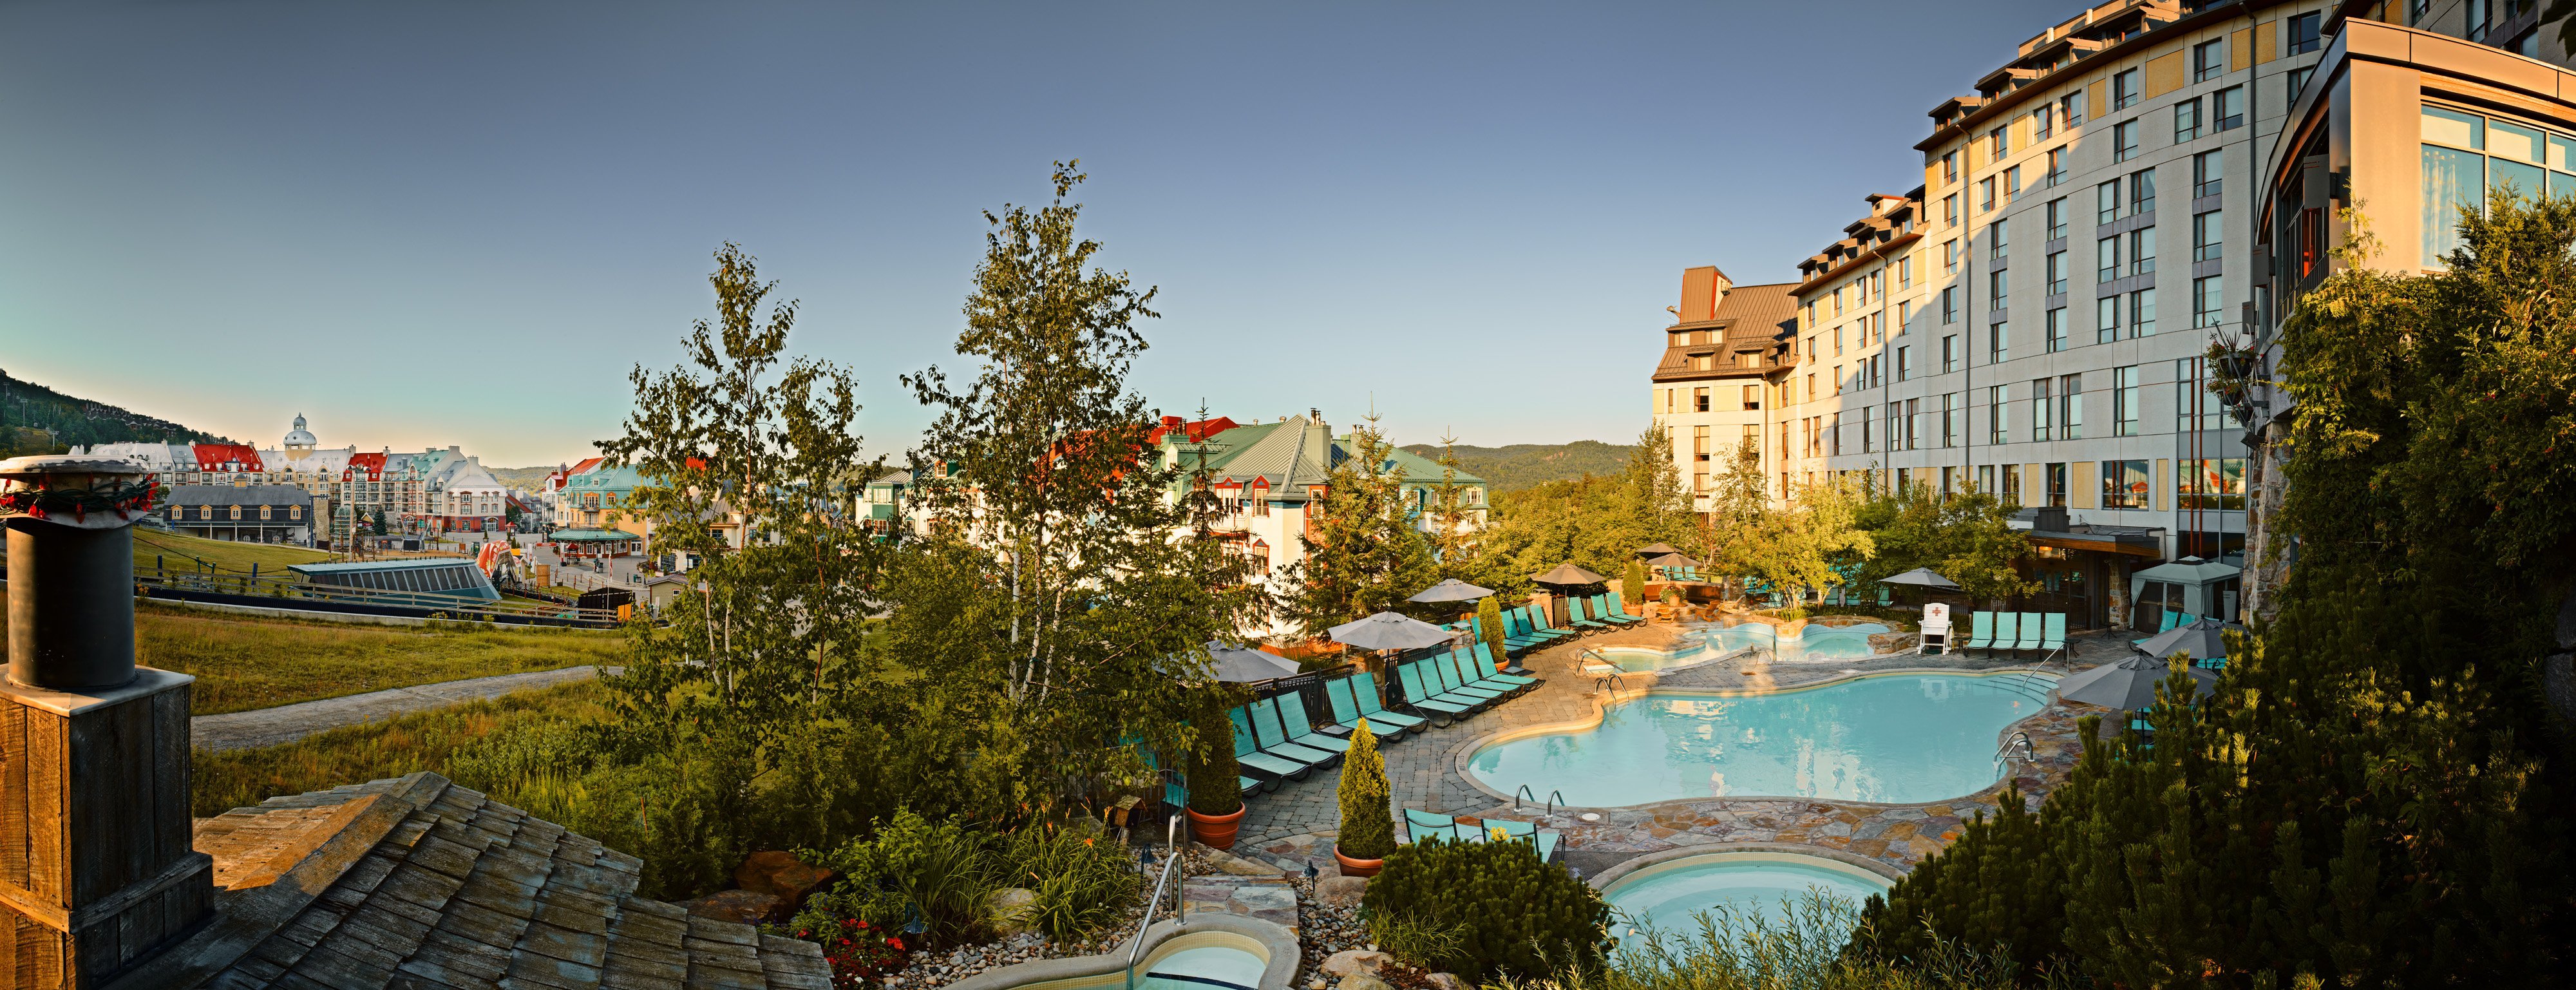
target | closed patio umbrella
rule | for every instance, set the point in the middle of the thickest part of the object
(1920, 577)
(1568, 573)
(2200, 638)
(1451, 590)
(1243, 665)
(1389, 631)
(2128, 685)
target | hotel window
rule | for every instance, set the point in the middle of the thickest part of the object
(1995, 403)
(2070, 108)
(1838, 341)
(1996, 335)
(1752, 443)
(1950, 210)
(2124, 484)
(1950, 168)
(1954, 419)
(2142, 313)
(2124, 401)
(1949, 353)
(206, 512)
(2456, 179)
(2186, 120)
(236, 513)
(2056, 166)
(2208, 305)
(1998, 238)
(1811, 386)
(2056, 219)
(1753, 397)
(1950, 256)
(1834, 433)
(1904, 363)
(2208, 60)
(265, 513)
(2302, 36)
(2106, 202)
(1838, 379)
(2191, 390)
(2227, 109)
(1996, 148)
(2012, 183)
(2106, 259)
(2142, 192)
(177, 513)
(2124, 140)
(2056, 330)
(1998, 286)
(2142, 251)
(1699, 400)
(2056, 485)
(2040, 409)
(2039, 122)
(1949, 309)
(2070, 407)
(2124, 90)
(1699, 458)
(1877, 370)
(2208, 231)
(2217, 483)
(2298, 79)
(1913, 424)
(2056, 274)
(2208, 173)
(2012, 484)
(1986, 193)
(1905, 272)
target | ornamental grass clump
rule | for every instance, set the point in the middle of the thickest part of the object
(1368, 825)
(1514, 916)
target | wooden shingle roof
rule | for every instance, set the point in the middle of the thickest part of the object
(418, 883)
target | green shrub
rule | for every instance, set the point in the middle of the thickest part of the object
(1515, 916)
(1215, 780)
(1489, 620)
(1082, 880)
(940, 873)
(1726, 950)
(1632, 585)
(1368, 825)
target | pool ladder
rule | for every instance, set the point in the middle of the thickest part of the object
(2004, 754)
(1171, 866)
(1552, 798)
(1614, 681)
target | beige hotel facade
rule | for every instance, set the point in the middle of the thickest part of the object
(2139, 181)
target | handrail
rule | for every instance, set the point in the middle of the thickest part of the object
(2023, 740)
(1172, 863)
(1553, 797)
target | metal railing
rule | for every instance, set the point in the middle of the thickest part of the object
(1552, 798)
(287, 590)
(1171, 865)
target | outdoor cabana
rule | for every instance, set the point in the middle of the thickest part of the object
(2190, 586)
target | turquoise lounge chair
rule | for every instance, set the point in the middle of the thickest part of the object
(1249, 756)
(1516, 634)
(2007, 632)
(1485, 663)
(2029, 633)
(1443, 670)
(1272, 738)
(1574, 616)
(1981, 631)
(1420, 825)
(1420, 698)
(1606, 605)
(1463, 663)
(1620, 608)
(1301, 729)
(1529, 832)
(1537, 625)
(2052, 636)
(1364, 692)
(1343, 696)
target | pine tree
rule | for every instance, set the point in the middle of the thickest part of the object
(1368, 823)
(1489, 620)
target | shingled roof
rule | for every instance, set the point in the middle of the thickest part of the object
(415, 882)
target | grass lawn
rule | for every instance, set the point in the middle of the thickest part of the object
(391, 748)
(180, 553)
(245, 662)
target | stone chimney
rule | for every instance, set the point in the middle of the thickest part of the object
(97, 865)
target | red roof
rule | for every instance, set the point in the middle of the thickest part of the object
(556, 480)
(214, 456)
(1195, 432)
(365, 465)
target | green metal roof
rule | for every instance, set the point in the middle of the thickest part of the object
(589, 536)
(415, 563)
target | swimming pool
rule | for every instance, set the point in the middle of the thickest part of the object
(1812, 643)
(1890, 738)
(1667, 897)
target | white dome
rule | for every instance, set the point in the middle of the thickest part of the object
(297, 437)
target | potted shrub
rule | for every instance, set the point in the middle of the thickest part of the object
(1216, 790)
(1489, 619)
(1368, 825)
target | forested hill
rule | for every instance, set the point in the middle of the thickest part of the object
(38, 420)
(1523, 465)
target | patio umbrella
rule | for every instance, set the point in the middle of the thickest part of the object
(2201, 638)
(1920, 576)
(1657, 549)
(2128, 685)
(1243, 665)
(1389, 631)
(1672, 560)
(1567, 573)
(1451, 590)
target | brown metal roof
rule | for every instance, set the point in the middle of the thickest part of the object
(1750, 315)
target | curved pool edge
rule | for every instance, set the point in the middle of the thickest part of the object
(1630, 867)
(1278, 944)
(1601, 709)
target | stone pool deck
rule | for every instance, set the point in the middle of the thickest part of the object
(1293, 827)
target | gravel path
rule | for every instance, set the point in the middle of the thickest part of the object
(287, 723)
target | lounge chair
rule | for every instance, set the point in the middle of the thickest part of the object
(2007, 632)
(1301, 729)
(1463, 663)
(1485, 662)
(1606, 605)
(1575, 619)
(1620, 607)
(2029, 639)
(1272, 738)
(1981, 632)
(1363, 690)
(1529, 831)
(1534, 622)
(1343, 696)
(1516, 634)
(1443, 670)
(1420, 825)
(1421, 699)
(1248, 755)
(2053, 635)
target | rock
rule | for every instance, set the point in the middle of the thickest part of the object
(781, 875)
(1341, 892)
(1365, 981)
(746, 907)
(1448, 981)
(1351, 962)
(1007, 910)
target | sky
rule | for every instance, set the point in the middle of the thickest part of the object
(464, 223)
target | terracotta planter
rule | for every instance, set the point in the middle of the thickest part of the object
(1358, 867)
(1217, 831)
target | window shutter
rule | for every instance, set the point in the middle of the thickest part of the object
(2087, 485)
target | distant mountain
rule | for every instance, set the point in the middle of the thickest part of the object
(38, 420)
(1523, 465)
(527, 479)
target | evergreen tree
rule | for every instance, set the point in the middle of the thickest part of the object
(1489, 619)
(1366, 554)
(1632, 585)
(1368, 823)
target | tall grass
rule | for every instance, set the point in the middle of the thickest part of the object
(392, 748)
(245, 662)
(1750, 950)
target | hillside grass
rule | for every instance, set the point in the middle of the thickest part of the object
(179, 553)
(246, 662)
(377, 750)
(1527, 465)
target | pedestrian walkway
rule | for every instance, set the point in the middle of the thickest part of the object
(287, 723)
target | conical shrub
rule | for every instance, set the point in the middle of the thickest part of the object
(1368, 825)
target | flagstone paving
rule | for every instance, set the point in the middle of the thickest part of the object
(1293, 827)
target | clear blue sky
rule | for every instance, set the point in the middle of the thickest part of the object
(464, 222)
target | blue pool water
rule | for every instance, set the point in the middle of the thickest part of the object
(1813, 643)
(1668, 897)
(1894, 738)
(1207, 967)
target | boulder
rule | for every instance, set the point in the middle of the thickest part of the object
(1448, 981)
(781, 875)
(742, 907)
(1007, 910)
(1340, 892)
(1364, 981)
(1352, 962)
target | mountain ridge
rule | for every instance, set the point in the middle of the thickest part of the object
(1512, 467)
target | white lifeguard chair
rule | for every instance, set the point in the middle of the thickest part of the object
(1936, 629)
